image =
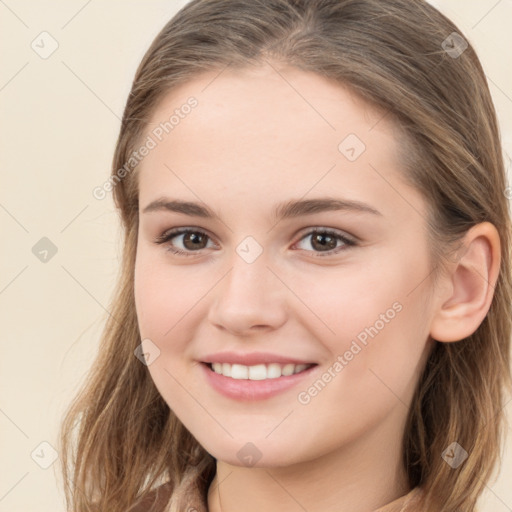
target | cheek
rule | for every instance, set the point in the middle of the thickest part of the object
(150, 299)
(374, 324)
(342, 303)
(163, 295)
(163, 299)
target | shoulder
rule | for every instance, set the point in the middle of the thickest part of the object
(157, 498)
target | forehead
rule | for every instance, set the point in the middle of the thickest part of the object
(269, 131)
(282, 102)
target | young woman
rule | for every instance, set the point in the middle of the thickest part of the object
(314, 309)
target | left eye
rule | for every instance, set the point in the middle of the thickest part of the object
(327, 238)
(193, 240)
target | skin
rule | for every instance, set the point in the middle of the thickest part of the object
(254, 141)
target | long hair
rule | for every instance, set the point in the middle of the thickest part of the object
(120, 440)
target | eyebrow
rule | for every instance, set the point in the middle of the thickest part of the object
(285, 210)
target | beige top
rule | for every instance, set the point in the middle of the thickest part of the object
(406, 503)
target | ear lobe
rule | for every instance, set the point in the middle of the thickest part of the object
(469, 286)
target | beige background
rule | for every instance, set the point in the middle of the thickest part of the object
(60, 118)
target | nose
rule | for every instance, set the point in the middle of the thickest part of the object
(249, 298)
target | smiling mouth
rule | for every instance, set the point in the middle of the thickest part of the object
(258, 371)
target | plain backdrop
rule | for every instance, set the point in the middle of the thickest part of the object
(66, 71)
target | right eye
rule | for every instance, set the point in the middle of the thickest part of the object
(191, 239)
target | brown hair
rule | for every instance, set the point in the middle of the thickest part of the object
(392, 53)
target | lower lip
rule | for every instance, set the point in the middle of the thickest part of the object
(246, 389)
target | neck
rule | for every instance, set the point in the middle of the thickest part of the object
(362, 476)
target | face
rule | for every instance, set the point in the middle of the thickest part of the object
(337, 292)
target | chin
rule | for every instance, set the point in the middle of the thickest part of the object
(259, 453)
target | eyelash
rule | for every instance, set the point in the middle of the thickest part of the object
(169, 235)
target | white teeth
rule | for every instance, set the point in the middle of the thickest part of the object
(239, 371)
(259, 371)
(273, 371)
(226, 369)
(288, 369)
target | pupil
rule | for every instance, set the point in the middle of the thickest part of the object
(318, 238)
(192, 237)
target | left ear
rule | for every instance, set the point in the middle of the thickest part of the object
(469, 286)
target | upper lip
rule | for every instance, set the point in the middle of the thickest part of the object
(252, 358)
